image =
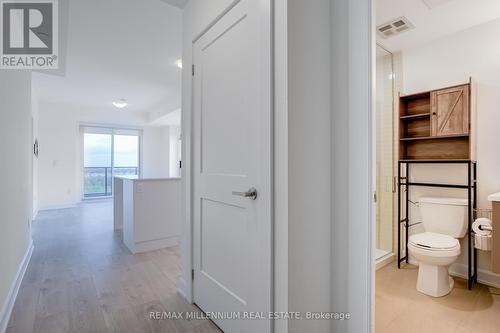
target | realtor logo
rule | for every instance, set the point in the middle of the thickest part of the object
(29, 34)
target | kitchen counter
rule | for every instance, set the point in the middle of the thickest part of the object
(148, 210)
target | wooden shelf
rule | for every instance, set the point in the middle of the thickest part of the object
(435, 137)
(435, 125)
(415, 116)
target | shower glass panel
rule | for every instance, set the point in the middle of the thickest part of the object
(384, 129)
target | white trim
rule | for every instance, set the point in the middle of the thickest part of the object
(14, 289)
(55, 207)
(353, 263)
(280, 161)
(182, 287)
(361, 268)
(152, 245)
(384, 261)
(484, 276)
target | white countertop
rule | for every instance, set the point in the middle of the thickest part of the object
(494, 197)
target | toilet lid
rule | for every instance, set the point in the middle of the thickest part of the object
(432, 240)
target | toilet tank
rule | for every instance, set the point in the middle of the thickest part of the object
(444, 215)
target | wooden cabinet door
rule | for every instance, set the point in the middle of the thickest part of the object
(450, 111)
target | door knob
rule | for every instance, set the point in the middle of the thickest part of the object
(251, 193)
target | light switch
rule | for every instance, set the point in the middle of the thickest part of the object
(140, 187)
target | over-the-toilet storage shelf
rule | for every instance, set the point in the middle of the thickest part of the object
(435, 127)
(438, 124)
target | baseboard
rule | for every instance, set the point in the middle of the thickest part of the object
(14, 289)
(384, 261)
(182, 287)
(485, 277)
(55, 207)
(152, 245)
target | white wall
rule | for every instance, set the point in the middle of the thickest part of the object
(175, 150)
(156, 152)
(15, 176)
(353, 55)
(309, 162)
(474, 52)
(35, 117)
(60, 149)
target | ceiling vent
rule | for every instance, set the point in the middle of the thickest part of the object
(394, 27)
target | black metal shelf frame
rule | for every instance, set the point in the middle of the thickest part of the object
(471, 187)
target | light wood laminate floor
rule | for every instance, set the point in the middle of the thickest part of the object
(82, 279)
(399, 307)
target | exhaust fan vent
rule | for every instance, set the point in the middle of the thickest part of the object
(394, 27)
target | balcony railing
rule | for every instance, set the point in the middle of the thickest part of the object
(98, 181)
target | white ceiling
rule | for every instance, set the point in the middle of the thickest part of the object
(119, 49)
(433, 19)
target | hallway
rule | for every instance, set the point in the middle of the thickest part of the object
(81, 278)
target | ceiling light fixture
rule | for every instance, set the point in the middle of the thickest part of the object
(179, 63)
(121, 103)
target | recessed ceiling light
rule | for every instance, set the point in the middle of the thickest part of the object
(121, 103)
(179, 63)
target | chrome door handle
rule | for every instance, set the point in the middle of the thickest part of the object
(251, 193)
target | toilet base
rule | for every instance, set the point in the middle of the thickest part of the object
(434, 280)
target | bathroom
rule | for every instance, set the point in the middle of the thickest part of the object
(437, 163)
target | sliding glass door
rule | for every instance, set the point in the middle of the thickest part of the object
(126, 155)
(108, 152)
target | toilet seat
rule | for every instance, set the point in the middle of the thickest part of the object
(434, 241)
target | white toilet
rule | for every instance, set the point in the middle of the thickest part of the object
(444, 220)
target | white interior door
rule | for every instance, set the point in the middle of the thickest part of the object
(232, 153)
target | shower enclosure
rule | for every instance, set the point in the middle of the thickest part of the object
(384, 141)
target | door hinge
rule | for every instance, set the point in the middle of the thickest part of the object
(192, 274)
(375, 197)
(192, 69)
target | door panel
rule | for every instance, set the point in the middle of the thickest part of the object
(232, 153)
(450, 114)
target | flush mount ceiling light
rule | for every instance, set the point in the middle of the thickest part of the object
(121, 103)
(179, 63)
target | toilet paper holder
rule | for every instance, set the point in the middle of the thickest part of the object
(486, 227)
(484, 213)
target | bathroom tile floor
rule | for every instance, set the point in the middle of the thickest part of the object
(399, 307)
